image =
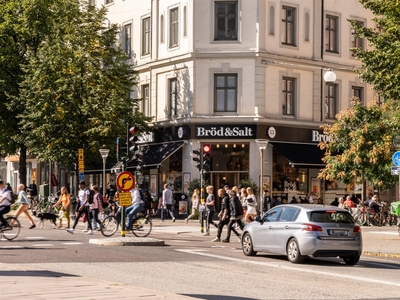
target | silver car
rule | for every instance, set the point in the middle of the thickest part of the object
(304, 230)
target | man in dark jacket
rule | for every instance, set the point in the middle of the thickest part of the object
(236, 215)
(266, 201)
(224, 214)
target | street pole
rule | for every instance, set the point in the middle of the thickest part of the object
(123, 209)
(104, 154)
(202, 200)
(262, 145)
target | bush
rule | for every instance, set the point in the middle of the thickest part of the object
(250, 183)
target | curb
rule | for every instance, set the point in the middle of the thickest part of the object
(131, 241)
(381, 254)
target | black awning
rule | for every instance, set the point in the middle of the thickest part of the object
(154, 155)
(301, 154)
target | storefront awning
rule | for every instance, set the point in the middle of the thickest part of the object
(301, 154)
(154, 155)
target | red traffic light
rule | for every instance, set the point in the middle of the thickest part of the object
(133, 130)
(206, 149)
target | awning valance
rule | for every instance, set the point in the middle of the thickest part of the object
(301, 154)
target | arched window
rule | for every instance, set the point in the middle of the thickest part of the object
(272, 20)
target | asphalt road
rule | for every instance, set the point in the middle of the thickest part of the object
(193, 266)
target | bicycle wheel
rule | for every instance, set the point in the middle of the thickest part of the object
(11, 232)
(141, 227)
(109, 226)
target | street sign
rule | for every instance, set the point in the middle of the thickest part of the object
(81, 161)
(396, 158)
(80, 154)
(125, 199)
(395, 170)
(125, 181)
(81, 176)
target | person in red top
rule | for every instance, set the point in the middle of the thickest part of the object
(348, 203)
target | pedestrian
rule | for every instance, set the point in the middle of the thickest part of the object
(24, 205)
(341, 203)
(243, 199)
(210, 209)
(223, 215)
(96, 207)
(147, 202)
(349, 203)
(267, 201)
(236, 216)
(65, 201)
(110, 193)
(278, 201)
(167, 199)
(335, 202)
(251, 200)
(137, 206)
(160, 206)
(227, 188)
(195, 204)
(32, 188)
(5, 203)
(83, 208)
(294, 200)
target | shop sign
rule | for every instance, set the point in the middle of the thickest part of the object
(319, 137)
(225, 131)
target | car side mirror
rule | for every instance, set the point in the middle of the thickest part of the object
(258, 219)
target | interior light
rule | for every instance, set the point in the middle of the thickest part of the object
(226, 145)
(242, 145)
(234, 145)
(217, 145)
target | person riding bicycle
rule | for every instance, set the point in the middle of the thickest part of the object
(137, 206)
(374, 204)
(5, 203)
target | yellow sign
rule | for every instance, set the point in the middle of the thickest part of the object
(80, 155)
(125, 199)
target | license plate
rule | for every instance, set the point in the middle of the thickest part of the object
(337, 232)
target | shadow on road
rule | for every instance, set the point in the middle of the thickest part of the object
(217, 297)
(36, 273)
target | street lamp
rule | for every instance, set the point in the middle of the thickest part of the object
(262, 145)
(104, 154)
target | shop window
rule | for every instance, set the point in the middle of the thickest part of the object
(229, 157)
(288, 26)
(225, 98)
(226, 20)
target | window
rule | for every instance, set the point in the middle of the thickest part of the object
(145, 36)
(92, 2)
(145, 100)
(358, 92)
(173, 97)
(288, 96)
(331, 34)
(185, 21)
(330, 101)
(162, 29)
(357, 42)
(128, 40)
(289, 215)
(272, 215)
(225, 92)
(307, 27)
(288, 26)
(173, 27)
(272, 20)
(109, 1)
(226, 20)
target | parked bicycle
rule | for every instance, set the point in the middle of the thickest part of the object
(10, 232)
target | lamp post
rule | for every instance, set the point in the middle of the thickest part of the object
(262, 145)
(104, 154)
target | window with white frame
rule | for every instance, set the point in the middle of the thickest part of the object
(173, 97)
(145, 100)
(174, 27)
(226, 89)
(288, 26)
(146, 36)
(128, 40)
(331, 99)
(226, 20)
(331, 34)
(288, 94)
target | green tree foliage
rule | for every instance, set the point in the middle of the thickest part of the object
(360, 145)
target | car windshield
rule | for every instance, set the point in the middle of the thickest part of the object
(331, 216)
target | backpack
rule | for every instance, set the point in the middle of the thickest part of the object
(91, 196)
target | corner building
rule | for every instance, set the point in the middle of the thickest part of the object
(228, 73)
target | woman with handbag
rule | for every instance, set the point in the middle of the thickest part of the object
(251, 205)
(24, 205)
(195, 204)
(65, 201)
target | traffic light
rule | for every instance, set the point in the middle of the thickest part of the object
(197, 159)
(206, 158)
(132, 139)
(139, 161)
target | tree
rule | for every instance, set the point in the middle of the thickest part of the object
(360, 146)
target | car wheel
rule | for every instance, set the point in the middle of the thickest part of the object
(351, 260)
(293, 252)
(247, 245)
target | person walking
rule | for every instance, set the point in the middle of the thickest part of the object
(84, 208)
(195, 204)
(167, 200)
(243, 199)
(32, 188)
(65, 201)
(24, 205)
(210, 209)
(96, 208)
(137, 206)
(223, 215)
(266, 202)
(251, 200)
(236, 216)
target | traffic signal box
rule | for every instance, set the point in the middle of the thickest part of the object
(207, 158)
(197, 158)
(132, 139)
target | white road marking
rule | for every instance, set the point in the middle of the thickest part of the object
(34, 238)
(179, 241)
(72, 243)
(11, 247)
(385, 232)
(356, 278)
(43, 245)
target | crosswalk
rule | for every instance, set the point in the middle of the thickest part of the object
(35, 243)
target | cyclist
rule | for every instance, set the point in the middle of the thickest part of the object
(137, 206)
(5, 203)
(374, 204)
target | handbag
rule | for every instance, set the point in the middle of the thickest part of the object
(83, 218)
(61, 214)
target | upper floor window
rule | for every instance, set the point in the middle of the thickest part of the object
(145, 100)
(356, 42)
(288, 29)
(272, 20)
(288, 96)
(331, 100)
(174, 27)
(331, 34)
(128, 40)
(109, 1)
(357, 92)
(185, 21)
(226, 20)
(173, 97)
(92, 2)
(225, 98)
(162, 29)
(145, 36)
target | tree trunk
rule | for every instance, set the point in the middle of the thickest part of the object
(364, 187)
(22, 165)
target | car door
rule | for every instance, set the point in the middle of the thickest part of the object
(262, 231)
(283, 229)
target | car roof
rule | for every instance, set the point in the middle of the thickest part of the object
(314, 207)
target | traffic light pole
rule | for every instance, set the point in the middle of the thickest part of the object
(123, 208)
(202, 200)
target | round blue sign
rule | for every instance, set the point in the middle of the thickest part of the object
(396, 158)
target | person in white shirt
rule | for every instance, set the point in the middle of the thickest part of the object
(167, 200)
(5, 203)
(84, 207)
(137, 206)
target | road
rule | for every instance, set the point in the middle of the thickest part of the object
(191, 265)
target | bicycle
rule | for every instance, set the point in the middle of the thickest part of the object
(10, 232)
(141, 227)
